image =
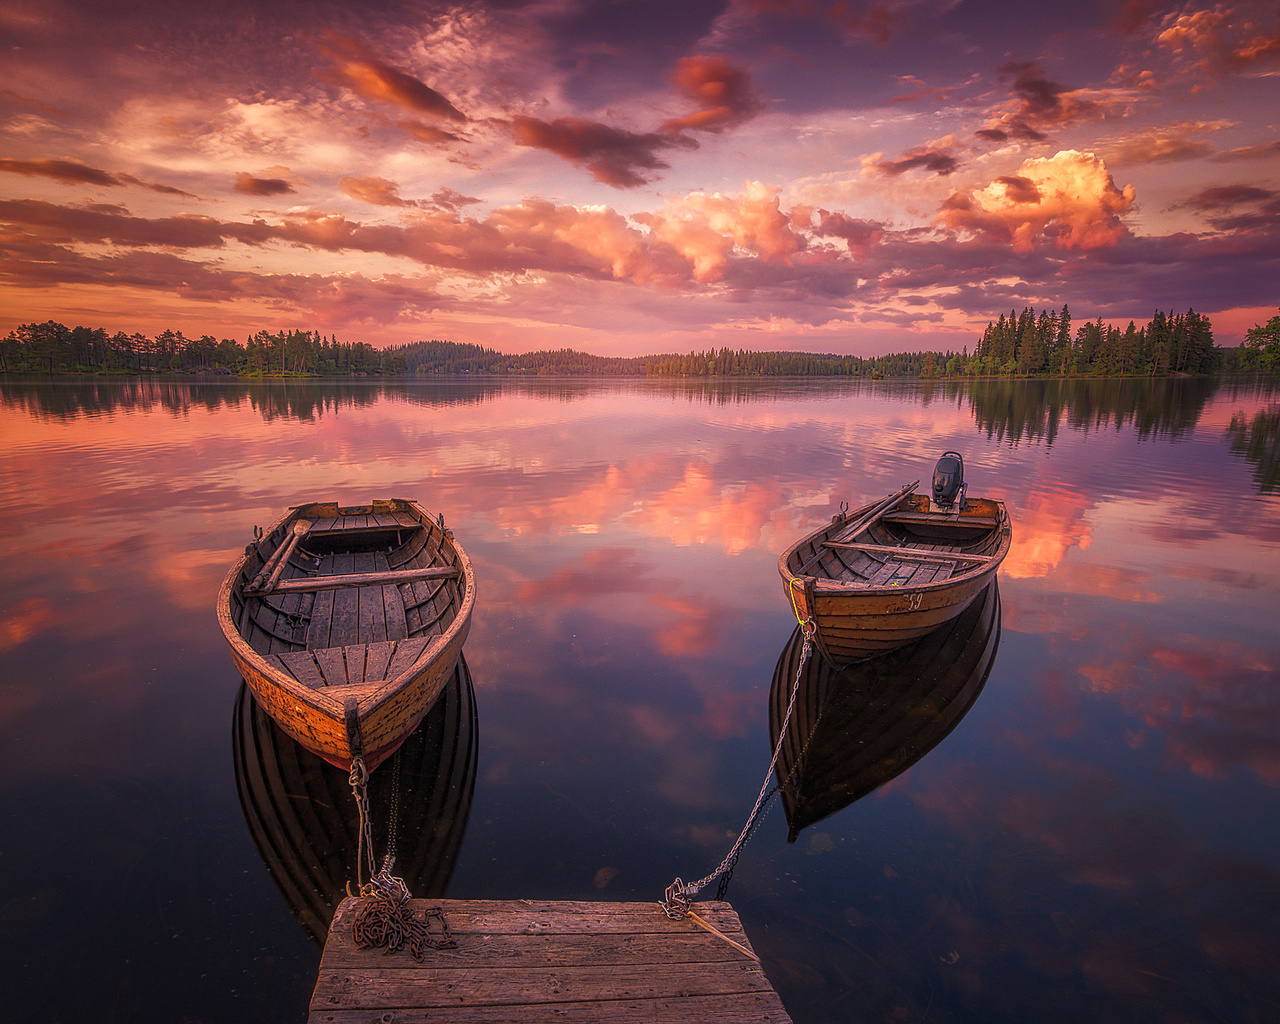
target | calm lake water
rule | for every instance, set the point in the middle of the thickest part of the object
(1096, 839)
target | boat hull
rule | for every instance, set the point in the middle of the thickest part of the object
(907, 573)
(343, 666)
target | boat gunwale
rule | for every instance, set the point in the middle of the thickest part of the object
(319, 699)
(827, 586)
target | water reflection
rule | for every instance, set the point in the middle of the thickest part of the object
(303, 819)
(1257, 438)
(1011, 410)
(853, 730)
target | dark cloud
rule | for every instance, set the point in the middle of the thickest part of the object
(939, 161)
(1011, 128)
(858, 234)
(724, 93)
(252, 186)
(1019, 189)
(1261, 151)
(1037, 102)
(427, 132)
(1238, 207)
(1041, 98)
(1226, 196)
(61, 170)
(1134, 14)
(614, 156)
(73, 173)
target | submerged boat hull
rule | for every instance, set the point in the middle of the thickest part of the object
(346, 623)
(892, 572)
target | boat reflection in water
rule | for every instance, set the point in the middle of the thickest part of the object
(855, 728)
(303, 817)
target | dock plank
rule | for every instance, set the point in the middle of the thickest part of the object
(523, 961)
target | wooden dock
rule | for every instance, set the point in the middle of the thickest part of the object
(524, 961)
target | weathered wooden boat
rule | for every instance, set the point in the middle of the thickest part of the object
(346, 623)
(854, 728)
(896, 569)
(306, 826)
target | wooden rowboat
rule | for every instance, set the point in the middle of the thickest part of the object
(893, 571)
(853, 729)
(346, 623)
(306, 826)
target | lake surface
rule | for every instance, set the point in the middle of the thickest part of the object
(1096, 839)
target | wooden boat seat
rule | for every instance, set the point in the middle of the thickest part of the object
(977, 522)
(365, 665)
(376, 521)
(910, 554)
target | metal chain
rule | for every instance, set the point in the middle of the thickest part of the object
(678, 894)
(389, 856)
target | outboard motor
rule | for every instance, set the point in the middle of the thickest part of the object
(948, 482)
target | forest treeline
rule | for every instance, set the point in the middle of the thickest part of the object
(1026, 344)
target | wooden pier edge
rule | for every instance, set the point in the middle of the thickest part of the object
(525, 961)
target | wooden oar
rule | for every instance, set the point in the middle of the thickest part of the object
(279, 560)
(305, 584)
(867, 519)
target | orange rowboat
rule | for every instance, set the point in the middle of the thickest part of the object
(895, 570)
(346, 623)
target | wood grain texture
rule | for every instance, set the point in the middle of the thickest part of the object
(524, 960)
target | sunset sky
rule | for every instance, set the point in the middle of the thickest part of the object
(637, 176)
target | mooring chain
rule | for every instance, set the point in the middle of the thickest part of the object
(390, 923)
(384, 917)
(679, 895)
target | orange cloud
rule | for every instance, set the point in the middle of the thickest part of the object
(373, 190)
(724, 92)
(1222, 38)
(1068, 198)
(358, 69)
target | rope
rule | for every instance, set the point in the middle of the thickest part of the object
(359, 779)
(679, 894)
